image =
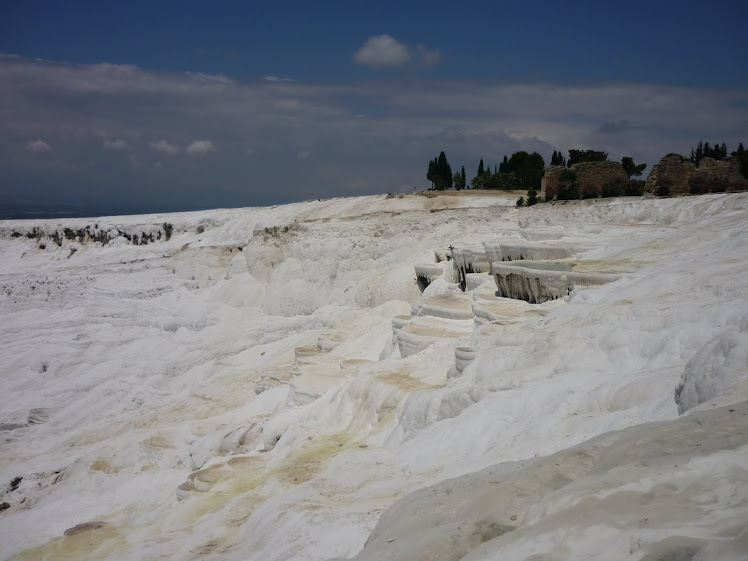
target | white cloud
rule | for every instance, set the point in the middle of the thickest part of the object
(117, 144)
(250, 151)
(215, 79)
(350, 127)
(200, 147)
(277, 79)
(38, 146)
(382, 50)
(165, 147)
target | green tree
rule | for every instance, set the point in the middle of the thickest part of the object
(631, 168)
(529, 169)
(532, 197)
(557, 159)
(479, 181)
(444, 170)
(502, 166)
(458, 179)
(481, 171)
(431, 172)
(567, 185)
(742, 156)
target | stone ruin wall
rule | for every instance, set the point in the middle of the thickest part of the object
(674, 172)
(550, 181)
(593, 173)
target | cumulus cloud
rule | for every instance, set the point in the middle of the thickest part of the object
(165, 147)
(38, 146)
(200, 147)
(117, 144)
(385, 50)
(382, 50)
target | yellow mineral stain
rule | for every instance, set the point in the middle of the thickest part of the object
(402, 380)
(104, 466)
(302, 466)
(156, 442)
(221, 484)
(90, 541)
(605, 266)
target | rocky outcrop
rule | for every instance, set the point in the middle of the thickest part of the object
(86, 235)
(676, 176)
(595, 174)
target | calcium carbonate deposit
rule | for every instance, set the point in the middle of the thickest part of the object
(435, 377)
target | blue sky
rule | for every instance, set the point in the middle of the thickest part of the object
(175, 105)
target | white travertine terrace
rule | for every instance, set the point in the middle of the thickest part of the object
(449, 306)
(469, 260)
(534, 284)
(463, 357)
(257, 388)
(513, 250)
(426, 273)
(423, 331)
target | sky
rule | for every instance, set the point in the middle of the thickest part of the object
(165, 106)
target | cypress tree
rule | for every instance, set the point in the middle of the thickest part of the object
(480, 167)
(431, 172)
(444, 170)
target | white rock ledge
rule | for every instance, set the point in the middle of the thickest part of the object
(536, 285)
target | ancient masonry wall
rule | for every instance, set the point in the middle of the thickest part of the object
(588, 173)
(676, 174)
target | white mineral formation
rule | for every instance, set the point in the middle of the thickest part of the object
(344, 379)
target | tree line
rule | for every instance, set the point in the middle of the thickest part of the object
(520, 171)
(524, 171)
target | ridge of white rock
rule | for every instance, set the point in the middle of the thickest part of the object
(510, 250)
(268, 383)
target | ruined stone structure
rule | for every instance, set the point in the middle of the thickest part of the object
(550, 181)
(676, 174)
(673, 172)
(726, 170)
(588, 173)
